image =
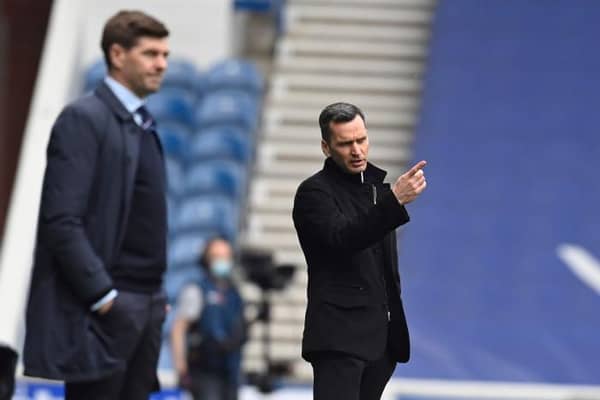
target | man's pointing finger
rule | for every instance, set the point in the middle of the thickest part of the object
(417, 167)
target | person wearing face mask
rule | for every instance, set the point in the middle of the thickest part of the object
(209, 328)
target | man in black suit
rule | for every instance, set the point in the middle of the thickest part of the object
(345, 216)
(96, 306)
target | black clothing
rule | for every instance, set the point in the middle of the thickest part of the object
(346, 228)
(342, 377)
(132, 328)
(142, 259)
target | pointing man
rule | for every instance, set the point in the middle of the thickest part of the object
(345, 216)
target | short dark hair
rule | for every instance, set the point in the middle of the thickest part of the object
(126, 27)
(337, 112)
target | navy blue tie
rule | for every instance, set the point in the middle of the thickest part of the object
(148, 123)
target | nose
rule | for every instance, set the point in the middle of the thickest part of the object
(161, 63)
(355, 149)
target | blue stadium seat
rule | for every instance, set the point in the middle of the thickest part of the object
(174, 137)
(215, 214)
(94, 75)
(224, 177)
(228, 107)
(235, 74)
(171, 211)
(173, 104)
(180, 74)
(175, 177)
(220, 143)
(185, 249)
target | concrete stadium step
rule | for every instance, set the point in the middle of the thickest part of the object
(350, 31)
(279, 240)
(270, 222)
(279, 204)
(294, 295)
(358, 13)
(308, 116)
(280, 331)
(295, 257)
(367, 101)
(343, 65)
(263, 190)
(348, 48)
(280, 350)
(265, 187)
(343, 84)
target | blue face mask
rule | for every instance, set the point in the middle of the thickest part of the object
(221, 268)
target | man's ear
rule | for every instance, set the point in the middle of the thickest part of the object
(117, 55)
(325, 148)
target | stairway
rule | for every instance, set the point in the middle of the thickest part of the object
(367, 52)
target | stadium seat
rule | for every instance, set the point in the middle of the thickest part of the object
(172, 104)
(174, 137)
(228, 107)
(185, 249)
(220, 143)
(215, 214)
(224, 177)
(171, 211)
(94, 75)
(234, 74)
(180, 74)
(175, 177)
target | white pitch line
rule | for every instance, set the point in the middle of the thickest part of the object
(583, 264)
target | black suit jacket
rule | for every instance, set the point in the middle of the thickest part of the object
(342, 225)
(92, 158)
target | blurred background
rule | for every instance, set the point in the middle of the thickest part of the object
(500, 264)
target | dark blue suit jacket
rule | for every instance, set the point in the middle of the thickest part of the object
(91, 164)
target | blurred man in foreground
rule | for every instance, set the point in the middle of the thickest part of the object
(345, 216)
(209, 329)
(96, 305)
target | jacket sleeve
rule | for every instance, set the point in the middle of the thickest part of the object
(318, 218)
(71, 162)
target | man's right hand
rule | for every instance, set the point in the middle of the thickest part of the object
(409, 185)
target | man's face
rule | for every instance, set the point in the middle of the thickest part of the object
(348, 145)
(141, 68)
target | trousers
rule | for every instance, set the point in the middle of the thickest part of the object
(132, 330)
(338, 376)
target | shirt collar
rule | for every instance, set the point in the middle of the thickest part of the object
(371, 175)
(129, 100)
